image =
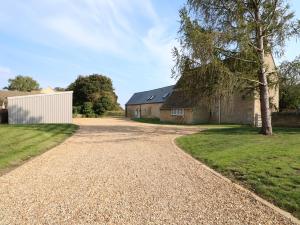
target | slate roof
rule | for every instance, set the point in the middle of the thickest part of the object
(159, 96)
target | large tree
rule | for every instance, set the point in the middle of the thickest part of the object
(225, 44)
(95, 90)
(290, 84)
(23, 83)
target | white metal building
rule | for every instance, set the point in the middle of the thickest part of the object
(40, 108)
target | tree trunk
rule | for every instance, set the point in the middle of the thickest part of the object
(263, 87)
(266, 128)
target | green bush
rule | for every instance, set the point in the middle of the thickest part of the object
(76, 110)
(102, 105)
(87, 109)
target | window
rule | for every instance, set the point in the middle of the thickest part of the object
(177, 112)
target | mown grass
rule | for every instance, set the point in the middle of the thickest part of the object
(270, 166)
(18, 143)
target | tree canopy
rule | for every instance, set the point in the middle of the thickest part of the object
(290, 84)
(224, 45)
(23, 83)
(94, 94)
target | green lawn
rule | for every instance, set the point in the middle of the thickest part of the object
(21, 142)
(269, 166)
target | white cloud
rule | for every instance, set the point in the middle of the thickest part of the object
(105, 26)
(130, 30)
(109, 26)
(158, 44)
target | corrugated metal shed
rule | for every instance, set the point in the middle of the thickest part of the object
(153, 96)
(4, 94)
(40, 108)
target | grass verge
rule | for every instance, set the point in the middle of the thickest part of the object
(269, 166)
(19, 143)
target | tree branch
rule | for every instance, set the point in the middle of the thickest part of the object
(256, 48)
(235, 57)
(255, 81)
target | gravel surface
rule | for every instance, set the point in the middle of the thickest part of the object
(114, 171)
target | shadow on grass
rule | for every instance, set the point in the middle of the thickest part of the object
(22, 142)
(246, 130)
(49, 128)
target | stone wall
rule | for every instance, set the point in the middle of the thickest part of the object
(187, 118)
(239, 109)
(201, 114)
(144, 111)
(286, 119)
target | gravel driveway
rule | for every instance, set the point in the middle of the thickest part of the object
(114, 171)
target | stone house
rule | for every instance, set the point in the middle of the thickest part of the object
(171, 104)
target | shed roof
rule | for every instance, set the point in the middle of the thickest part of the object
(5, 94)
(153, 96)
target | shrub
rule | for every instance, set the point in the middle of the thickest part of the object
(102, 105)
(87, 109)
(76, 110)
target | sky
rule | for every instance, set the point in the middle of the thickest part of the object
(129, 41)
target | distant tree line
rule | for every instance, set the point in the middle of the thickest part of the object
(290, 85)
(93, 95)
(22, 83)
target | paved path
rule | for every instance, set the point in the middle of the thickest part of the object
(120, 172)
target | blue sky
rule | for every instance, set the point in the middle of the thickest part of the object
(130, 41)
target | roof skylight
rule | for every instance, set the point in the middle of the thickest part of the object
(166, 95)
(150, 98)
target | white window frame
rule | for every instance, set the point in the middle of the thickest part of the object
(177, 112)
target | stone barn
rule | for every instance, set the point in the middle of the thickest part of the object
(147, 104)
(173, 104)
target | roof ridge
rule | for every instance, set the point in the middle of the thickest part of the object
(155, 89)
